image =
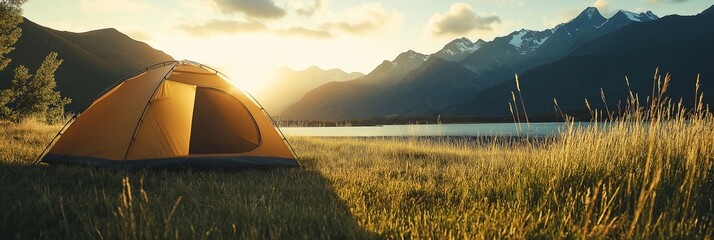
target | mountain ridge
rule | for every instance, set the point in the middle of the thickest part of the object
(292, 84)
(634, 51)
(458, 49)
(92, 60)
(489, 64)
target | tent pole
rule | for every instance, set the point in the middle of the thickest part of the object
(146, 107)
(44, 151)
(87, 105)
(259, 105)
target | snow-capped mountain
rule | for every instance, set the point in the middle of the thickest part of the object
(566, 35)
(708, 11)
(409, 58)
(587, 26)
(392, 71)
(527, 41)
(415, 83)
(587, 19)
(458, 49)
(640, 17)
(677, 45)
(623, 18)
(523, 49)
(506, 51)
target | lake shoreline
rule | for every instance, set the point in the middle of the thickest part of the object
(536, 129)
(429, 120)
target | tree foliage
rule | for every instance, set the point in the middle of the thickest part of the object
(28, 95)
(35, 96)
(7, 96)
(10, 17)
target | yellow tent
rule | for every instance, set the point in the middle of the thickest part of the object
(173, 114)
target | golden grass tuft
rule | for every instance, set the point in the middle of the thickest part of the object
(22, 141)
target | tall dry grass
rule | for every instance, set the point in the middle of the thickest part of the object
(22, 141)
(625, 182)
(646, 172)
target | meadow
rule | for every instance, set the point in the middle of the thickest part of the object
(649, 175)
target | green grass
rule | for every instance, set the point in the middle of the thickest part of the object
(650, 175)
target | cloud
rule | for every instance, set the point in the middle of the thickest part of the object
(363, 19)
(116, 5)
(236, 27)
(304, 32)
(265, 9)
(305, 9)
(602, 5)
(222, 26)
(502, 2)
(360, 20)
(460, 20)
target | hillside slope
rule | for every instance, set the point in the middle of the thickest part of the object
(92, 60)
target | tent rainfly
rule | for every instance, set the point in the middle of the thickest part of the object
(176, 114)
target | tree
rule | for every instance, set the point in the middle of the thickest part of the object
(35, 96)
(50, 103)
(19, 84)
(5, 98)
(10, 17)
(28, 96)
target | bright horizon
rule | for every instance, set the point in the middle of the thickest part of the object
(245, 39)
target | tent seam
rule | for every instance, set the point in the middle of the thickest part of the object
(90, 102)
(146, 109)
(262, 109)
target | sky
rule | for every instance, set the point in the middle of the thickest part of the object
(247, 39)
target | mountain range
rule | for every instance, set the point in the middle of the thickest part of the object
(678, 45)
(290, 85)
(92, 60)
(467, 78)
(570, 62)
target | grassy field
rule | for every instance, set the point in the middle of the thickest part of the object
(649, 175)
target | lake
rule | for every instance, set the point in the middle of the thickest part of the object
(464, 130)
